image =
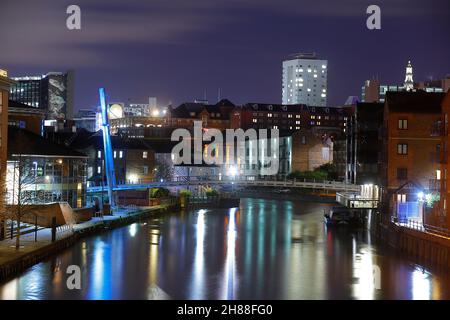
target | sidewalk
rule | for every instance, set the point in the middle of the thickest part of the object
(8, 252)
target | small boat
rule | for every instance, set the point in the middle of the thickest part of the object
(339, 216)
(283, 191)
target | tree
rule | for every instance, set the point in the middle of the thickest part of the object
(4, 212)
(22, 192)
(163, 169)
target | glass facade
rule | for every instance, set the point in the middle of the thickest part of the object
(47, 179)
(27, 92)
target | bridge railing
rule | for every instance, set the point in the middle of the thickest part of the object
(273, 181)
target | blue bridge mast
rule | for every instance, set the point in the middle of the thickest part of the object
(108, 153)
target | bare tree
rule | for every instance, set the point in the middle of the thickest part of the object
(4, 212)
(163, 168)
(21, 193)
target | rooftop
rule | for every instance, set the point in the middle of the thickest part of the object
(21, 141)
(414, 101)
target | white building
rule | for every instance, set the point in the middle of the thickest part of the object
(305, 80)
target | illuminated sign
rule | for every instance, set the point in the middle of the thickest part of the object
(3, 73)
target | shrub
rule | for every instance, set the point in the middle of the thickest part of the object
(185, 192)
(159, 193)
(210, 192)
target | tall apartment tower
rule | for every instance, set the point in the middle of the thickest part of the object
(305, 80)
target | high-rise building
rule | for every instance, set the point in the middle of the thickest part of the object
(305, 80)
(52, 92)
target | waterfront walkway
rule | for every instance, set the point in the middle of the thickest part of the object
(28, 245)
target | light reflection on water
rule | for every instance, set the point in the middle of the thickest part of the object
(266, 249)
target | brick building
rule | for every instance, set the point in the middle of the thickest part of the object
(212, 116)
(134, 160)
(441, 217)
(410, 152)
(5, 84)
(288, 117)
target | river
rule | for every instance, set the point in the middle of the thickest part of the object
(266, 249)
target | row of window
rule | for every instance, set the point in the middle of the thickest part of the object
(99, 154)
(144, 170)
(402, 174)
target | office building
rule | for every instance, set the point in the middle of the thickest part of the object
(53, 92)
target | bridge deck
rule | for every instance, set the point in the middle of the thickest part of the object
(325, 185)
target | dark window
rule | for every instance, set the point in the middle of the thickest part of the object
(402, 173)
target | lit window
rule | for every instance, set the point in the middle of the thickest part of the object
(403, 124)
(99, 169)
(324, 66)
(438, 174)
(297, 116)
(269, 115)
(144, 154)
(115, 154)
(402, 148)
(255, 120)
(401, 197)
(120, 154)
(99, 154)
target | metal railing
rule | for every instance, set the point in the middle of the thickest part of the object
(275, 181)
(354, 201)
(419, 226)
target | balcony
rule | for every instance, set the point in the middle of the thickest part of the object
(434, 185)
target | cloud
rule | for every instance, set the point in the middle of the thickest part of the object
(34, 32)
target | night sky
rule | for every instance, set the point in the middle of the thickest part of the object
(175, 49)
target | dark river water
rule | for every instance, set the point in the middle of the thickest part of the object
(266, 249)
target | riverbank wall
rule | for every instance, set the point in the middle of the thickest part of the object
(422, 247)
(20, 261)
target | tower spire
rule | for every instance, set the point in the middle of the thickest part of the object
(409, 83)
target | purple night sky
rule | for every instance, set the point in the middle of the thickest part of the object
(175, 49)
